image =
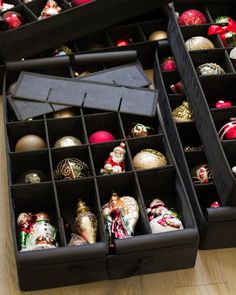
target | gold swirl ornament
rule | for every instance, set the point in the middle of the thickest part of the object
(199, 43)
(183, 113)
(71, 168)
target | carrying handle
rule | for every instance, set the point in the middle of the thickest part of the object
(81, 59)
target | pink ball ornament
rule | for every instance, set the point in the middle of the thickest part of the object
(79, 2)
(101, 136)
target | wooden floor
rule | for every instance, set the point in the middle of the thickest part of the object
(214, 273)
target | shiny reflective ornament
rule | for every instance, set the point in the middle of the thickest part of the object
(62, 51)
(123, 42)
(201, 174)
(71, 168)
(162, 219)
(86, 223)
(13, 19)
(220, 104)
(101, 136)
(115, 163)
(32, 176)
(149, 158)
(36, 232)
(192, 17)
(30, 142)
(168, 64)
(177, 88)
(51, 8)
(120, 217)
(81, 74)
(157, 35)
(65, 113)
(67, 141)
(234, 170)
(199, 43)
(183, 113)
(228, 131)
(208, 69)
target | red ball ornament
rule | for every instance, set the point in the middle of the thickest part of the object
(168, 64)
(223, 104)
(192, 17)
(101, 136)
(79, 2)
(122, 42)
(13, 19)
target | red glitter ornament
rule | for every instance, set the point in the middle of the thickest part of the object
(223, 104)
(168, 64)
(192, 17)
(13, 19)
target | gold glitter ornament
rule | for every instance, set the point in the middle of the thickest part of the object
(149, 158)
(208, 69)
(183, 113)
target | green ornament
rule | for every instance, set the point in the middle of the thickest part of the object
(222, 20)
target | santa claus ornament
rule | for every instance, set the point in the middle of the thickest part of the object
(115, 163)
(50, 9)
(161, 219)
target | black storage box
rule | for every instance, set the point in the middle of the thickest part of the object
(37, 35)
(145, 252)
(204, 91)
(212, 222)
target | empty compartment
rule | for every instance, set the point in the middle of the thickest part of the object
(229, 149)
(66, 132)
(189, 137)
(219, 8)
